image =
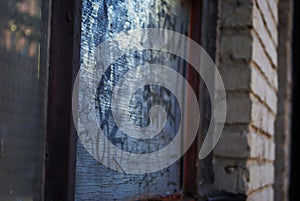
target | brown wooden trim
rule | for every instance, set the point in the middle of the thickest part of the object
(203, 30)
(63, 65)
(209, 38)
(190, 157)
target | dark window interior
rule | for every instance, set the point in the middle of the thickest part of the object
(23, 84)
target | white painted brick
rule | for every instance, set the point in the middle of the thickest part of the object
(273, 4)
(261, 117)
(265, 194)
(264, 36)
(262, 89)
(271, 99)
(234, 14)
(245, 144)
(260, 175)
(233, 142)
(270, 22)
(236, 75)
(257, 114)
(240, 142)
(264, 63)
(235, 45)
(248, 65)
(236, 180)
(239, 105)
(261, 146)
(271, 123)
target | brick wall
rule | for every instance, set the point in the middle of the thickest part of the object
(247, 58)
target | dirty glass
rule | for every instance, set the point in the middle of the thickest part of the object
(22, 100)
(101, 20)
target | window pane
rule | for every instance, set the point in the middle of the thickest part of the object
(101, 19)
(22, 100)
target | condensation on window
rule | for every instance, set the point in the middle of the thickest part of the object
(101, 20)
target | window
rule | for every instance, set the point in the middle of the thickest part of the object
(101, 20)
(71, 171)
(23, 84)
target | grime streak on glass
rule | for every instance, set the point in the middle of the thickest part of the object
(101, 19)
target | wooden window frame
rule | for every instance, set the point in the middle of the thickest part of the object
(64, 63)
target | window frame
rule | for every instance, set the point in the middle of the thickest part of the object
(64, 63)
(61, 137)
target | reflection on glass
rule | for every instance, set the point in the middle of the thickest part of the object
(22, 101)
(101, 19)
